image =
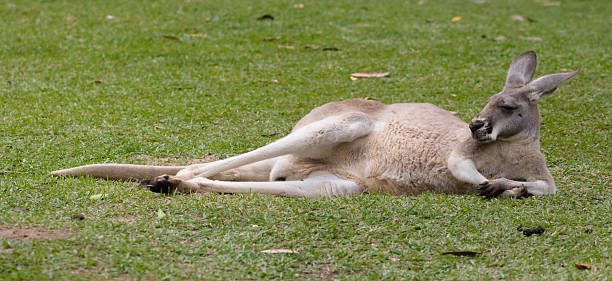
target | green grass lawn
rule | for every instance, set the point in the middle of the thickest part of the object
(86, 82)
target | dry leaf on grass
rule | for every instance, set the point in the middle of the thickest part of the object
(500, 38)
(330, 49)
(198, 35)
(537, 39)
(356, 76)
(315, 47)
(298, 5)
(280, 251)
(170, 37)
(266, 17)
(583, 266)
(457, 18)
(517, 17)
(462, 253)
(268, 81)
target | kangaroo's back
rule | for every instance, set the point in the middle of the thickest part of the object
(370, 107)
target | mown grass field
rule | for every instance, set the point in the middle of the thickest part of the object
(86, 82)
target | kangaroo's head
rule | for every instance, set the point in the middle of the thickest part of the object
(513, 113)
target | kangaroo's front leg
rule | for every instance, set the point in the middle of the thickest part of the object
(465, 170)
(315, 140)
(318, 184)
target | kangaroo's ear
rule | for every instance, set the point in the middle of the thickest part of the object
(547, 84)
(521, 70)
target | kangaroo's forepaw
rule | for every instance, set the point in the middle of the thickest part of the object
(162, 184)
(493, 188)
(524, 194)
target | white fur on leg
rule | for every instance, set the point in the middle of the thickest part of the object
(316, 185)
(464, 169)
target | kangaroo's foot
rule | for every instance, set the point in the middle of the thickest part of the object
(166, 184)
(161, 184)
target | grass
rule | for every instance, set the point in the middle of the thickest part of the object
(158, 98)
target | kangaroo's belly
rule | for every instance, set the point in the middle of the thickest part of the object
(401, 158)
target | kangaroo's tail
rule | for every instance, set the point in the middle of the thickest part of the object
(119, 171)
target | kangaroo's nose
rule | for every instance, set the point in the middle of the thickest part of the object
(476, 124)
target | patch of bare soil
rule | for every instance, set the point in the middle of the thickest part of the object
(205, 159)
(32, 233)
(96, 273)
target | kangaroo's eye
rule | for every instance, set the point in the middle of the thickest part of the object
(508, 107)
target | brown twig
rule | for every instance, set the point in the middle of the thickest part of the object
(11, 172)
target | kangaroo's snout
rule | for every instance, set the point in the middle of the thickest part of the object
(476, 124)
(481, 130)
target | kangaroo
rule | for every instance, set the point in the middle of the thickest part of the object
(360, 145)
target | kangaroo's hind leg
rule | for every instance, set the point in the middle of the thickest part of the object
(315, 140)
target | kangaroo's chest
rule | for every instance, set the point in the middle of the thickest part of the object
(499, 165)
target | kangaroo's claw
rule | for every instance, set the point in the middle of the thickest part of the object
(491, 189)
